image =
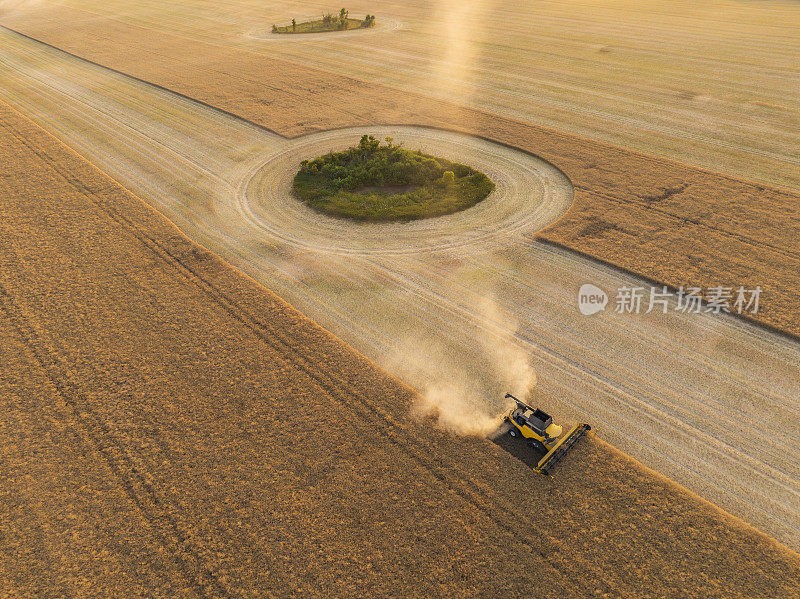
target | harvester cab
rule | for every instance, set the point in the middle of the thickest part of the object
(538, 429)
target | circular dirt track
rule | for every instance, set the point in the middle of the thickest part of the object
(529, 194)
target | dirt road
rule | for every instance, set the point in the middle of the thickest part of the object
(463, 313)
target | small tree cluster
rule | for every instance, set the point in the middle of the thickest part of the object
(370, 163)
(329, 22)
(360, 183)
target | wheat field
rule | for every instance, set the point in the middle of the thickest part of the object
(418, 298)
(669, 222)
(157, 402)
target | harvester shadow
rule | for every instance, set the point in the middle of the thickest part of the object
(516, 446)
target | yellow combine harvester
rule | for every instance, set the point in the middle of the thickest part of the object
(542, 434)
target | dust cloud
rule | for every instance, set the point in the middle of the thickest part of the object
(465, 399)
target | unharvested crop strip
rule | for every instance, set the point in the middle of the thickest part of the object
(672, 216)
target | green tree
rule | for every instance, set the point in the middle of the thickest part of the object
(274, 28)
(369, 144)
(343, 14)
(294, 25)
(448, 178)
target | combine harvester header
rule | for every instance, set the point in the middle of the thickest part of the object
(542, 434)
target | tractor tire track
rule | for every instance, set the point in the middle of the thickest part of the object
(191, 559)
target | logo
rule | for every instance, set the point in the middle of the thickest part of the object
(591, 299)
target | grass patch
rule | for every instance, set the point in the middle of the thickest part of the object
(328, 22)
(380, 183)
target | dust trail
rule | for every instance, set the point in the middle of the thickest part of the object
(464, 399)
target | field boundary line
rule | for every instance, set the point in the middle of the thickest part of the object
(149, 83)
(747, 240)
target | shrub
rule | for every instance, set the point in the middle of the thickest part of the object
(368, 144)
(333, 183)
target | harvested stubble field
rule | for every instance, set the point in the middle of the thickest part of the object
(170, 428)
(666, 221)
